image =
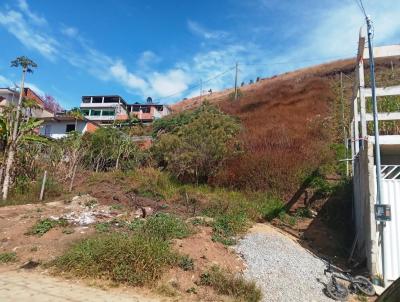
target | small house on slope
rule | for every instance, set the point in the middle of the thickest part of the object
(59, 126)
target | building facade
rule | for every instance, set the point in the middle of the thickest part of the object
(108, 109)
(10, 96)
(148, 112)
(104, 109)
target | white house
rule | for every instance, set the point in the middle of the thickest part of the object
(59, 126)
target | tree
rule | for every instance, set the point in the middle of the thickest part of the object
(15, 131)
(51, 104)
(77, 114)
(196, 150)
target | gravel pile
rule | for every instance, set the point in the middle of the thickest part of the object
(283, 269)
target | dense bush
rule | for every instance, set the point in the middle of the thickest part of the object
(111, 148)
(195, 145)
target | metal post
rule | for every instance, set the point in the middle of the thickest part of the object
(377, 146)
(343, 123)
(236, 79)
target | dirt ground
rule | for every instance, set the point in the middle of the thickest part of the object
(16, 221)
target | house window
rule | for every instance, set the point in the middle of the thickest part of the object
(85, 111)
(94, 112)
(108, 113)
(70, 128)
(47, 130)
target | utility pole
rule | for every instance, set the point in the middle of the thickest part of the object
(377, 146)
(343, 123)
(236, 80)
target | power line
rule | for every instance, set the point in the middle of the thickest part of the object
(196, 85)
(292, 62)
(361, 7)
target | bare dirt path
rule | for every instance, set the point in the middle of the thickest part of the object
(35, 287)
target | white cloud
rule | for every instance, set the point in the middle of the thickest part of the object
(174, 81)
(120, 73)
(24, 7)
(147, 58)
(201, 31)
(70, 31)
(15, 23)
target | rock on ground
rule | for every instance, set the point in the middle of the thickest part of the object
(283, 269)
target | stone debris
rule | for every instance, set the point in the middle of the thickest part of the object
(85, 210)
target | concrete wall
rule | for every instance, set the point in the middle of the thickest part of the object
(364, 200)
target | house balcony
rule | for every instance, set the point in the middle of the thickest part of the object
(100, 117)
(99, 105)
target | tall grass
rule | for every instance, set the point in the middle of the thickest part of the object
(134, 259)
(226, 283)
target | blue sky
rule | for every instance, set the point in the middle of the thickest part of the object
(161, 48)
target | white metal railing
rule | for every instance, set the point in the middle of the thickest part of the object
(390, 171)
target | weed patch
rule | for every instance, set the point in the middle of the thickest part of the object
(45, 225)
(133, 259)
(186, 263)
(226, 283)
(226, 227)
(162, 226)
(8, 257)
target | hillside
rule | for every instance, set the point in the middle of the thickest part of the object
(289, 123)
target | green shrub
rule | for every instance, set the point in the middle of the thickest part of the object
(43, 226)
(186, 263)
(103, 227)
(134, 259)
(226, 283)
(195, 151)
(271, 208)
(8, 257)
(303, 212)
(162, 226)
(226, 227)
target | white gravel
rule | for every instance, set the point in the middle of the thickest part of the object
(283, 269)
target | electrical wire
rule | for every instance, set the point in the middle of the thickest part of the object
(196, 85)
(361, 7)
(292, 62)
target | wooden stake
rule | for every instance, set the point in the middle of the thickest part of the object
(43, 185)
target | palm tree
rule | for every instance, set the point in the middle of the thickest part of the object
(77, 114)
(27, 66)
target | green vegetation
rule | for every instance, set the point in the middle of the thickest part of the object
(194, 151)
(45, 225)
(226, 283)
(7, 257)
(134, 259)
(226, 227)
(103, 227)
(162, 226)
(186, 263)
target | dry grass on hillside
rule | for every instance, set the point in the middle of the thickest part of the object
(289, 122)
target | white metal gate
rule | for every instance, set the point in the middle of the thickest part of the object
(391, 196)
